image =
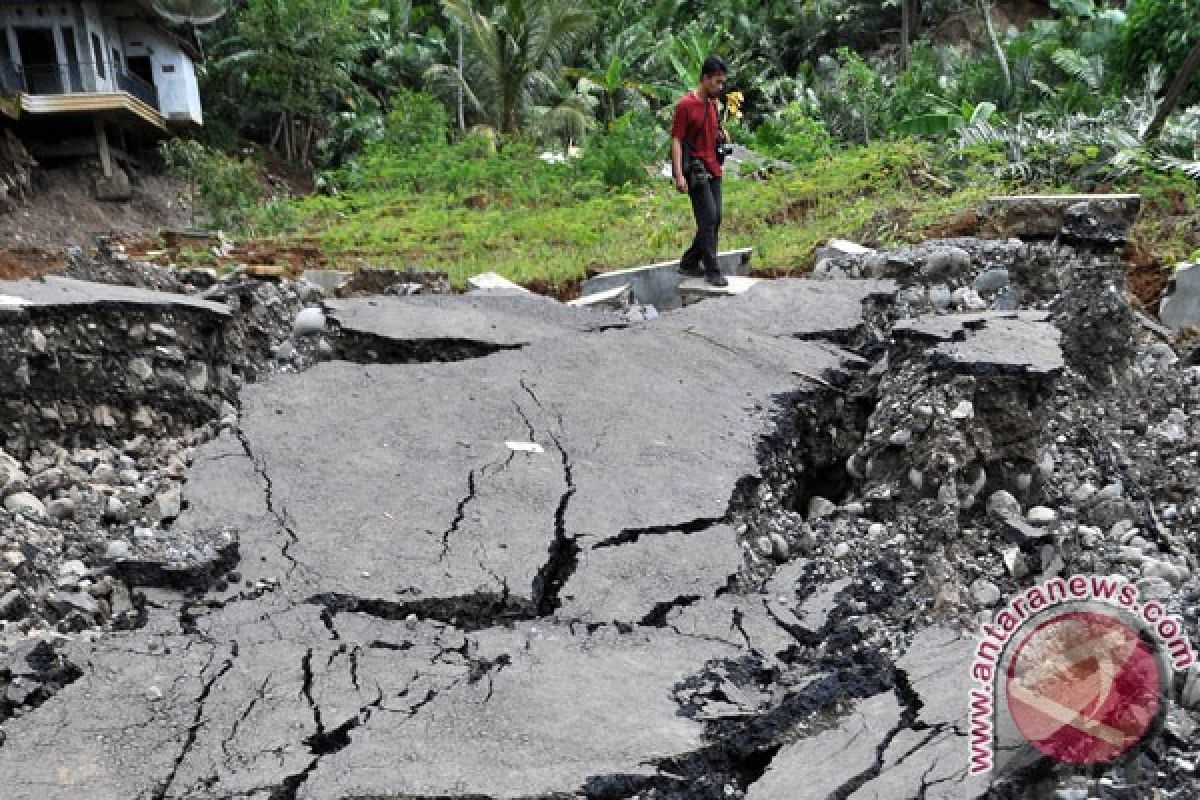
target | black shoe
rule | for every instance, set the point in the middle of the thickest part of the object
(715, 279)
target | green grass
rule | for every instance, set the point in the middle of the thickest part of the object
(554, 238)
(551, 225)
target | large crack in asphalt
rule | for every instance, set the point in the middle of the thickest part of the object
(360, 347)
(280, 515)
(469, 613)
(198, 719)
(564, 550)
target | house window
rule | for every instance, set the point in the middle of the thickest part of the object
(168, 67)
(98, 54)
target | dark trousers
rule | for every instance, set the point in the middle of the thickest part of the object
(706, 208)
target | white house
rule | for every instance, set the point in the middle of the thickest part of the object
(92, 57)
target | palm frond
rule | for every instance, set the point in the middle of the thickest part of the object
(1191, 168)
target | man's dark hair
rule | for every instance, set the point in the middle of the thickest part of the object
(713, 65)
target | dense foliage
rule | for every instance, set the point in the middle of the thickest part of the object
(492, 106)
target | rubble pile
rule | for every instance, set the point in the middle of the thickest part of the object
(738, 550)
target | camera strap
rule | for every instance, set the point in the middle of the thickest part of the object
(691, 143)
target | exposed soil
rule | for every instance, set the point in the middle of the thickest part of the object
(62, 211)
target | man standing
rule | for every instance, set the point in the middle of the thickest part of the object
(695, 134)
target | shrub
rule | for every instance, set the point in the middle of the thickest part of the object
(416, 122)
(794, 135)
(854, 107)
(622, 155)
(226, 188)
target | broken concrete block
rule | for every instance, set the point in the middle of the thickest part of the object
(114, 189)
(1098, 218)
(1180, 307)
(491, 281)
(328, 279)
(695, 289)
(841, 248)
(617, 298)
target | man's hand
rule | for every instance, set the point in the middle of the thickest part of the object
(681, 184)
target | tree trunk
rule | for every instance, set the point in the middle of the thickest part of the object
(1176, 90)
(905, 31)
(278, 132)
(997, 48)
(462, 117)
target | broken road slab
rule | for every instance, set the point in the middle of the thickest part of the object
(525, 575)
(67, 294)
(1019, 343)
(418, 324)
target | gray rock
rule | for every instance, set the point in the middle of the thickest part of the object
(46, 482)
(26, 504)
(779, 546)
(992, 280)
(1003, 503)
(169, 504)
(141, 369)
(36, 340)
(13, 605)
(946, 261)
(106, 474)
(1014, 562)
(985, 593)
(309, 322)
(61, 508)
(940, 297)
(66, 602)
(1180, 306)
(115, 511)
(820, 508)
(197, 376)
(968, 300)
(117, 550)
(286, 351)
(1190, 695)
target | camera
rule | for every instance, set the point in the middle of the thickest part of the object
(723, 150)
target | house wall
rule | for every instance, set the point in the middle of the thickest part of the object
(94, 27)
(174, 73)
(103, 46)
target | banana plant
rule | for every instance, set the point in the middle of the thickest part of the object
(947, 119)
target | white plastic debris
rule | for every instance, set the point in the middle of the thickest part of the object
(525, 447)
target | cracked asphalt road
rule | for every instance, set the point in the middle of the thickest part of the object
(424, 611)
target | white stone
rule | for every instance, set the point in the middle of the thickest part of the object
(26, 504)
(1041, 515)
(964, 410)
(819, 508)
(309, 322)
(985, 592)
(1003, 503)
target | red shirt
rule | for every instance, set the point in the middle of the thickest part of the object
(696, 126)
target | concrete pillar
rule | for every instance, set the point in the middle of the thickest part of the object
(102, 148)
